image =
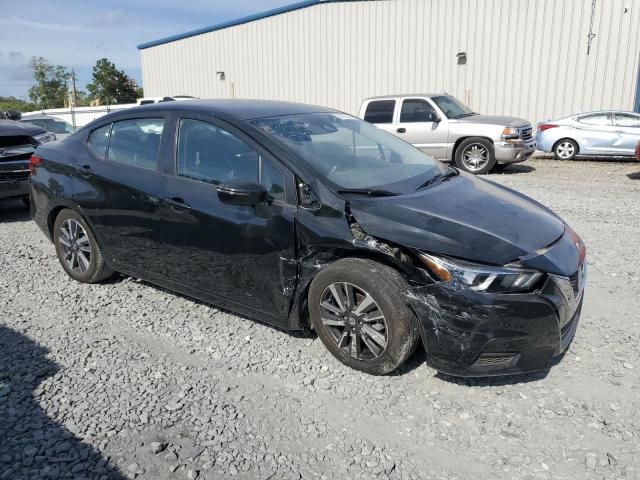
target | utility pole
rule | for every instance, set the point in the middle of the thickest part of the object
(74, 100)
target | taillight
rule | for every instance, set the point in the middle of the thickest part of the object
(33, 161)
(546, 126)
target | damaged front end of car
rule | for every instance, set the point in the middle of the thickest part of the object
(479, 320)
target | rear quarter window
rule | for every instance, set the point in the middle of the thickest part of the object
(380, 111)
(98, 141)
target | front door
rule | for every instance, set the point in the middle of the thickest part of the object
(236, 255)
(628, 125)
(119, 190)
(415, 125)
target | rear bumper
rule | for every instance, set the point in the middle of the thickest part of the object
(509, 153)
(471, 334)
(14, 188)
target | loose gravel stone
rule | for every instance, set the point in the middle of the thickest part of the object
(126, 380)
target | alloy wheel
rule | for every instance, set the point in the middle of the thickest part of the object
(475, 156)
(565, 150)
(354, 320)
(74, 242)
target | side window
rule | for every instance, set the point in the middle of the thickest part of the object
(416, 110)
(273, 180)
(211, 154)
(627, 120)
(380, 111)
(98, 141)
(600, 119)
(136, 142)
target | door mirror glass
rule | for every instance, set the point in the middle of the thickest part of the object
(433, 117)
(242, 193)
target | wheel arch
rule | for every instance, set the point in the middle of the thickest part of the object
(466, 137)
(555, 144)
(299, 315)
(55, 211)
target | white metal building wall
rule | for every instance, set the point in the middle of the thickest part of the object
(526, 58)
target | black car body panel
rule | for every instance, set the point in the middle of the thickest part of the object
(259, 261)
(465, 217)
(16, 147)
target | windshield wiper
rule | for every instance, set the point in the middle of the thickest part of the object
(439, 178)
(372, 192)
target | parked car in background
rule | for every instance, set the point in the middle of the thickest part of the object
(175, 98)
(302, 216)
(607, 133)
(440, 125)
(18, 141)
(55, 125)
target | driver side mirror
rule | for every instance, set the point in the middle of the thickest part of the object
(242, 192)
(433, 117)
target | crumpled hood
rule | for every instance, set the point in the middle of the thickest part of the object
(465, 217)
(496, 120)
(11, 128)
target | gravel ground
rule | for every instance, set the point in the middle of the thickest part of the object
(125, 380)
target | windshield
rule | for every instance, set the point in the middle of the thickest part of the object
(350, 153)
(452, 107)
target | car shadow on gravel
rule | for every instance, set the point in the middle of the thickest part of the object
(513, 169)
(33, 445)
(634, 176)
(13, 211)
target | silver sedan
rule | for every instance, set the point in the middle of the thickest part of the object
(610, 133)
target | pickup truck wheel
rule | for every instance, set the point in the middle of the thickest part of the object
(358, 312)
(475, 155)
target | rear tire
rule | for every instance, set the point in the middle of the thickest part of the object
(475, 155)
(77, 249)
(565, 149)
(358, 312)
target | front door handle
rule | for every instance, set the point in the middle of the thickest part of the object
(85, 170)
(177, 204)
(401, 130)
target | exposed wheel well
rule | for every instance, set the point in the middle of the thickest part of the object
(462, 139)
(51, 219)
(567, 138)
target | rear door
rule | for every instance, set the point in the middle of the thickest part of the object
(381, 113)
(628, 125)
(119, 189)
(238, 254)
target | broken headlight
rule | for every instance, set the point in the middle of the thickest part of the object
(481, 278)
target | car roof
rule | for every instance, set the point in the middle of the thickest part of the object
(406, 95)
(41, 117)
(595, 112)
(241, 109)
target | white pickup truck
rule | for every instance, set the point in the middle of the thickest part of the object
(443, 127)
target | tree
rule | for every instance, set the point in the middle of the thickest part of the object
(111, 85)
(50, 89)
(13, 103)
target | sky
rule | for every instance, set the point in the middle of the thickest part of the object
(76, 33)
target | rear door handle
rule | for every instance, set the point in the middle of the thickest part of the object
(401, 130)
(177, 204)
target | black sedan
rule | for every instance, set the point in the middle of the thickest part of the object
(18, 141)
(305, 217)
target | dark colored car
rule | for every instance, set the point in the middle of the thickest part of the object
(301, 216)
(18, 141)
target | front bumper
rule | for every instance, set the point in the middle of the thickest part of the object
(509, 153)
(471, 334)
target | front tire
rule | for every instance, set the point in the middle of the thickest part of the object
(565, 149)
(77, 249)
(475, 155)
(358, 312)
